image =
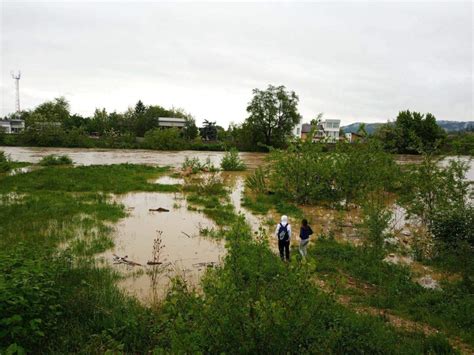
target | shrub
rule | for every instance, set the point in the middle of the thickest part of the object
(454, 235)
(164, 139)
(376, 221)
(30, 298)
(232, 162)
(306, 173)
(53, 159)
(256, 181)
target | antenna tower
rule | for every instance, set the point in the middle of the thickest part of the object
(17, 77)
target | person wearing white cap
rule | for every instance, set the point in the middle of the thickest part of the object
(283, 233)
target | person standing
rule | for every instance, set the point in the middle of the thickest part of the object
(305, 232)
(283, 233)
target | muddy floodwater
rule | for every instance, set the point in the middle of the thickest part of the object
(185, 253)
(84, 156)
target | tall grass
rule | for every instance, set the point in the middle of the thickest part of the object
(98, 178)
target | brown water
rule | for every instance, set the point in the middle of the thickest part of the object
(84, 156)
(235, 181)
(185, 252)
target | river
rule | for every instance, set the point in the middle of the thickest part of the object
(94, 156)
(85, 156)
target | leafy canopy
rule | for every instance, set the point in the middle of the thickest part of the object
(273, 114)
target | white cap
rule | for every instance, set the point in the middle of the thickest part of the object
(284, 219)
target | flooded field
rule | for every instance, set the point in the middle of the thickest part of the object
(94, 156)
(184, 252)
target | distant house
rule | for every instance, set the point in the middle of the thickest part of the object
(12, 126)
(327, 130)
(168, 122)
(305, 130)
(331, 129)
(353, 137)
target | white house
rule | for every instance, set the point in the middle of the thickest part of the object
(171, 122)
(331, 129)
(327, 130)
(12, 125)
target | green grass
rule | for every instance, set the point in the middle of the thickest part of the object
(262, 203)
(257, 304)
(449, 310)
(97, 178)
(52, 296)
(55, 299)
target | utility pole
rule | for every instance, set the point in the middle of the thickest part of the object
(17, 77)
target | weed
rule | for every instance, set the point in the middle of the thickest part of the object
(232, 162)
(256, 181)
(50, 160)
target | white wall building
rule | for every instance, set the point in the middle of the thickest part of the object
(331, 129)
(171, 122)
(12, 126)
(327, 130)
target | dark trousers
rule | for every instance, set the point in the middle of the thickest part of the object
(284, 247)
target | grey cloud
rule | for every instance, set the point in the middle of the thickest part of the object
(353, 61)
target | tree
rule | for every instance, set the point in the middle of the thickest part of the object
(140, 108)
(209, 131)
(273, 114)
(417, 133)
(56, 111)
(190, 130)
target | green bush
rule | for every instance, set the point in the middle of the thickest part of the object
(306, 173)
(50, 160)
(232, 162)
(30, 297)
(164, 139)
(256, 181)
(454, 235)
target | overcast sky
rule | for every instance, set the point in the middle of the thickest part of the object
(354, 61)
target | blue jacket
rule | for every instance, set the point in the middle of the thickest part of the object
(305, 232)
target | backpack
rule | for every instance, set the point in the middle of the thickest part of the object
(283, 234)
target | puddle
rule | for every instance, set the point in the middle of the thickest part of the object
(236, 182)
(184, 252)
(168, 180)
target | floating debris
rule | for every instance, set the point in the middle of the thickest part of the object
(154, 263)
(186, 234)
(159, 209)
(124, 260)
(206, 264)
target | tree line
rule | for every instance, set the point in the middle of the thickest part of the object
(272, 116)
